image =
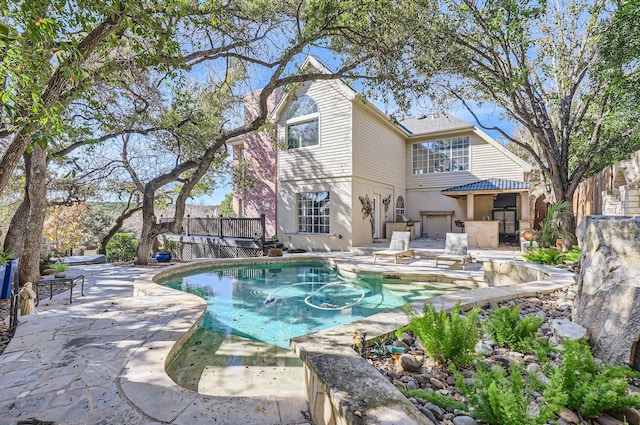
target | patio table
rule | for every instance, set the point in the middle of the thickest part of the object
(67, 280)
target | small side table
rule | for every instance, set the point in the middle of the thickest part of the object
(67, 280)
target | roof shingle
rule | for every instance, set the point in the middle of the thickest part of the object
(489, 185)
(433, 123)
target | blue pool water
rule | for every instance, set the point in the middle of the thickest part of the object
(274, 303)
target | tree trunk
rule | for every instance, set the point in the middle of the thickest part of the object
(12, 154)
(149, 228)
(147, 237)
(568, 223)
(37, 188)
(14, 241)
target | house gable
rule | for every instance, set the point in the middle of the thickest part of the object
(313, 66)
(331, 156)
(487, 159)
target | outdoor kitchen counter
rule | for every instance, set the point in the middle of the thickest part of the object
(482, 234)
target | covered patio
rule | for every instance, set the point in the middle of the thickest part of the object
(496, 210)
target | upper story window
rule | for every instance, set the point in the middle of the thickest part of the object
(441, 156)
(302, 123)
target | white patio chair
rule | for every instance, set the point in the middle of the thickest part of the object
(398, 247)
(455, 249)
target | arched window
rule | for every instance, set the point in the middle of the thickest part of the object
(400, 206)
(302, 123)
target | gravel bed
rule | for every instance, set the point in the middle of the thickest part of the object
(431, 377)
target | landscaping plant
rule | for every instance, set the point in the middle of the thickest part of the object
(446, 402)
(573, 254)
(499, 397)
(5, 257)
(122, 247)
(447, 338)
(550, 228)
(59, 267)
(591, 388)
(551, 256)
(508, 330)
(168, 246)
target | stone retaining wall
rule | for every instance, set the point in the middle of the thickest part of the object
(511, 272)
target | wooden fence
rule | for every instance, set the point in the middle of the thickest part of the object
(587, 199)
(224, 227)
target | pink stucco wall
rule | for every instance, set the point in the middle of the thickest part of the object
(260, 151)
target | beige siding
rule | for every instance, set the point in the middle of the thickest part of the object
(361, 227)
(378, 168)
(332, 156)
(485, 162)
(378, 151)
(339, 237)
(429, 200)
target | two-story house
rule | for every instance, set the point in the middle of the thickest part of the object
(338, 171)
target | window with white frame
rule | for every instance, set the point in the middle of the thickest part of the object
(302, 123)
(441, 156)
(400, 206)
(313, 212)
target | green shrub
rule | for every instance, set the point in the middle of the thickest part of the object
(438, 399)
(508, 330)
(572, 255)
(552, 256)
(592, 389)
(502, 398)
(122, 247)
(5, 257)
(549, 256)
(550, 228)
(447, 338)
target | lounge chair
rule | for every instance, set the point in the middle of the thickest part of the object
(455, 249)
(398, 247)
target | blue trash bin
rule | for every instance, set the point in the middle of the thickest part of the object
(7, 272)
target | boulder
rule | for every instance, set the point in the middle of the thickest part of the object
(565, 329)
(608, 303)
(406, 339)
(409, 363)
(569, 416)
(628, 414)
(605, 419)
(464, 420)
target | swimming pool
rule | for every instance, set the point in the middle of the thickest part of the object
(276, 302)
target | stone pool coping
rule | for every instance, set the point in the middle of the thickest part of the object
(342, 388)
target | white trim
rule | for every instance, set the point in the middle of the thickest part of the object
(307, 118)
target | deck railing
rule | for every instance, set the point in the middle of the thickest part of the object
(224, 227)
